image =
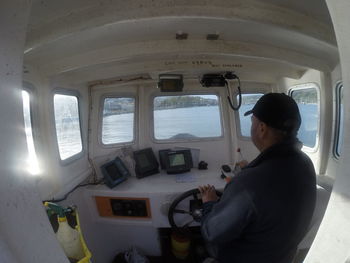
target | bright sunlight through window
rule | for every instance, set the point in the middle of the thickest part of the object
(32, 161)
(67, 125)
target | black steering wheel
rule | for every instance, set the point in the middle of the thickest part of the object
(194, 212)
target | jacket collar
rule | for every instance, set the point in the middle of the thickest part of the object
(286, 147)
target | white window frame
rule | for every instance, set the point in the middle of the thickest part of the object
(79, 155)
(339, 86)
(100, 117)
(310, 85)
(161, 94)
(238, 120)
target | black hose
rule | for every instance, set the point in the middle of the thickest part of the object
(239, 95)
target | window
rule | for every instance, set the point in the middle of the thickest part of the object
(32, 161)
(306, 96)
(186, 117)
(339, 126)
(67, 122)
(118, 119)
(248, 102)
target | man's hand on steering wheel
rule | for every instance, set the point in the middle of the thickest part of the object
(208, 193)
(194, 210)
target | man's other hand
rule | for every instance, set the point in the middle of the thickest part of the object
(208, 193)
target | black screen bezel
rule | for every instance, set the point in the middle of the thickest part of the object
(152, 168)
(178, 168)
(122, 172)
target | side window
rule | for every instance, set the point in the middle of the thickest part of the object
(32, 161)
(66, 108)
(339, 126)
(307, 98)
(186, 117)
(118, 118)
(248, 102)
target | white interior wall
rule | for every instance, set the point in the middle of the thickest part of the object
(249, 151)
(72, 173)
(310, 76)
(333, 163)
(326, 117)
(218, 151)
(96, 147)
(333, 240)
(106, 237)
(26, 235)
(11, 179)
(55, 178)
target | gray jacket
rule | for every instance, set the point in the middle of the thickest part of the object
(265, 210)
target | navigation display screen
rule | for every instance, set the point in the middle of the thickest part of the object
(176, 159)
(143, 161)
(113, 171)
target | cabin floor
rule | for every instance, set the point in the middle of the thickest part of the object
(196, 253)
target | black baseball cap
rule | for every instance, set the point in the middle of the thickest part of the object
(278, 111)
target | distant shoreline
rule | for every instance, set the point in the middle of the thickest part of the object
(157, 109)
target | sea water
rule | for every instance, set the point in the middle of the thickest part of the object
(190, 123)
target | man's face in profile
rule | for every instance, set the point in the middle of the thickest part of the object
(254, 130)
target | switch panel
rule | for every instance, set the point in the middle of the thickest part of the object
(135, 208)
(123, 207)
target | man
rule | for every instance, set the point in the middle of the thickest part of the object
(265, 209)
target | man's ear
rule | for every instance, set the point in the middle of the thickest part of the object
(262, 129)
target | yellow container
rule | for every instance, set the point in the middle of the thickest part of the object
(180, 245)
(71, 240)
(87, 253)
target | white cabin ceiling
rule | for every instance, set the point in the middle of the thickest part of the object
(85, 40)
(313, 8)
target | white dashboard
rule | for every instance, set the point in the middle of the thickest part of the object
(157, 190)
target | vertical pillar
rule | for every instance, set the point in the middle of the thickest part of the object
(25, 232)
(333, 238)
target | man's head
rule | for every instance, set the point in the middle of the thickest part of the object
(275, 117)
